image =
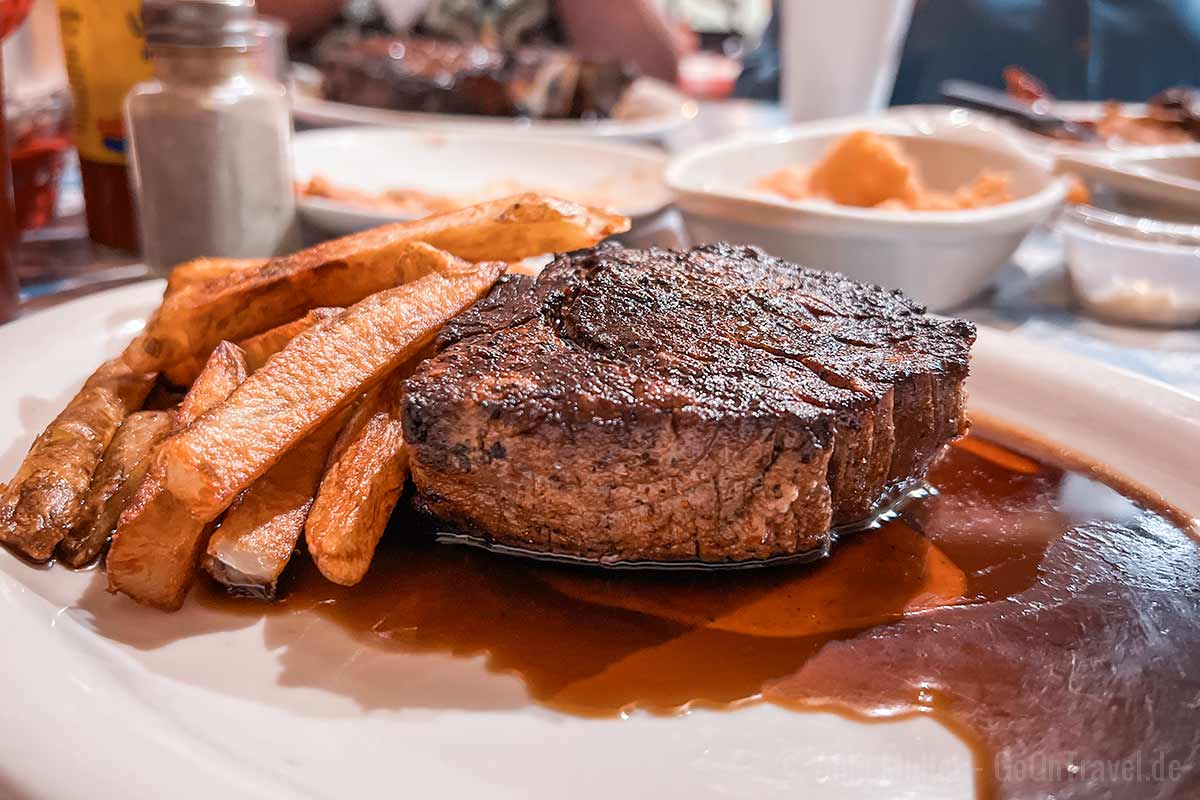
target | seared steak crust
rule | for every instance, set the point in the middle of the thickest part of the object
(715, 404)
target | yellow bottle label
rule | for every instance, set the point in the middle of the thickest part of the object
(106, 55)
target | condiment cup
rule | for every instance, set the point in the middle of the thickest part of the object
(1132, 269)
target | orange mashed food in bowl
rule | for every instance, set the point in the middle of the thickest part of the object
(867, 170)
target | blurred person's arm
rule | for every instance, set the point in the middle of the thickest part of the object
(625, 30)
(305, 18)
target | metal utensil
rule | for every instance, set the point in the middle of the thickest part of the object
(1036, 116)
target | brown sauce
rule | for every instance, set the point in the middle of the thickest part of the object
(1051, 620)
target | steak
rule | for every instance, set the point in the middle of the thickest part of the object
(422, 74)
(715, 404)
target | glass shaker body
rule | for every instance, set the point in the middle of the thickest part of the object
(211, 153)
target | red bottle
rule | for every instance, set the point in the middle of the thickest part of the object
(12, 12)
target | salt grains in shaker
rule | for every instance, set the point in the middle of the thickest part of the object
(210, 138)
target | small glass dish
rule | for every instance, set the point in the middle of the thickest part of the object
(1133, 270)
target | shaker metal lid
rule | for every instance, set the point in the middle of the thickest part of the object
(200, 23)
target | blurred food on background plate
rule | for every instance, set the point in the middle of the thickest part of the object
(1170, 117)
(423, 74)
(1078, 192)
(868, 170)
(416, 202)
(405, 201)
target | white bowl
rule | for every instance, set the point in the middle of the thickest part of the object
(626, 178)
(1132, 270)
(939, 258)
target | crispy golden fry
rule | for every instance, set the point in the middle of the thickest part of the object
(320, 372)
(343, 271)
(120, 473)
(158, 543)
(183, 373)
(257, 348)
(361, 486)
(261, 347)
(513, 228)
(190, 274)
(258, 534)
(224, 372)
(45, 499)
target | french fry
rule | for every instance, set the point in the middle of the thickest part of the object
(157, 543)
(315, 376)
(44, 501)
(224, 372)
(120, 473)
(182, 373)
(261, 347)
(258, 534)
(343, 271)
(257, 348)
(516, 227)
(361, 486)
(190, 274)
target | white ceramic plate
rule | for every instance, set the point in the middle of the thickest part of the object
(101, 698)
(625, 178)
(649, 109)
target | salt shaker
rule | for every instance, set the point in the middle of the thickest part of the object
(210, 138)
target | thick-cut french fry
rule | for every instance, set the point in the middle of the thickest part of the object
(361, 486)
(343, 271)
(45, 499)
(182, 373)
(259, 532)
(257, 348)
(224, 372)
(315, 376)
(261, 347)
(190, 274)
(516, 227)
(157, 544)
(120, 473)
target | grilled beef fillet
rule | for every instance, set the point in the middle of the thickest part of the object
(716, 404)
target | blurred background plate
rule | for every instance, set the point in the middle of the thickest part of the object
(624, 178)
(1089, 111)
(649, 109)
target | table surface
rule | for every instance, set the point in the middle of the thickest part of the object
(1031, 295)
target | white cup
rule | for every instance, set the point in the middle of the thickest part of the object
(840, 58)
